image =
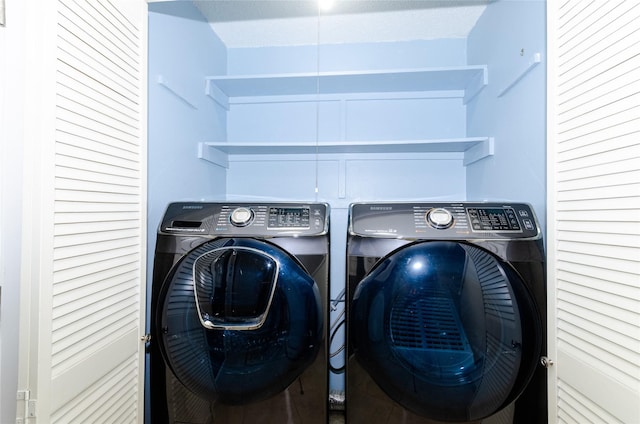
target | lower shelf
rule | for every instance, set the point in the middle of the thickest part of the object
(474, 148)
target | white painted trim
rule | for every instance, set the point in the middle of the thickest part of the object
(552, 394)
(35, 298)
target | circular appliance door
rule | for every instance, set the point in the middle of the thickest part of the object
(447, 330)
(239, 320)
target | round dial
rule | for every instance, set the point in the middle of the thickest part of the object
(440, 218)
(241, 217)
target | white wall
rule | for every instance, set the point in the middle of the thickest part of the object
(182, 51)
(505, 38)
(360, 177)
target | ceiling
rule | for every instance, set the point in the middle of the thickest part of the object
(259, 23)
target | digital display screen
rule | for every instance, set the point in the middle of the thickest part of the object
(282, 217)
(493, 219)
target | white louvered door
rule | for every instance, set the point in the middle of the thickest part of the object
(594, 210)
(84, 261)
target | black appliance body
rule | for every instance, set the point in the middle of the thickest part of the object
(238, 314)
(446, 310)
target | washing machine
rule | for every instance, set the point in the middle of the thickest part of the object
(239, 314)
(446, 314)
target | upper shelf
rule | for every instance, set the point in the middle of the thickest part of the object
(474, 148)
(470, 79)
(371, 146)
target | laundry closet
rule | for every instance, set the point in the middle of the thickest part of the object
(445, 118)
(452, 111)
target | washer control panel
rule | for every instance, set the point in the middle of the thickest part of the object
(480, 220)
(244, 219)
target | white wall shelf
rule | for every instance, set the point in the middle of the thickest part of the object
(469, 79)
(474, 148)
(465, 81)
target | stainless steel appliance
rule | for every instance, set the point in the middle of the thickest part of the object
(239, 314)
(446, 314)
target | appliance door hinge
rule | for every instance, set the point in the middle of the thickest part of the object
(546, 362)
(26, 408)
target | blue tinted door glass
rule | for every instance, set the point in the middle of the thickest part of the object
(234, 287)
(236, 364)
(445, 329)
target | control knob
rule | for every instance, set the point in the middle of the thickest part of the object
(241, 217)
(439, 218)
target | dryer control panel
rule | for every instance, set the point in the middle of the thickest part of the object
(471, 220)
(246, 219)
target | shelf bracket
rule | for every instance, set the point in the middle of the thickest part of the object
(161, 80)
(216, 94)
(476, 85)
(213, 155)
(524, 70)
(479, 151)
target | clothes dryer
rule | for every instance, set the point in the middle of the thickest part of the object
(446, 314)
(239, 312)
